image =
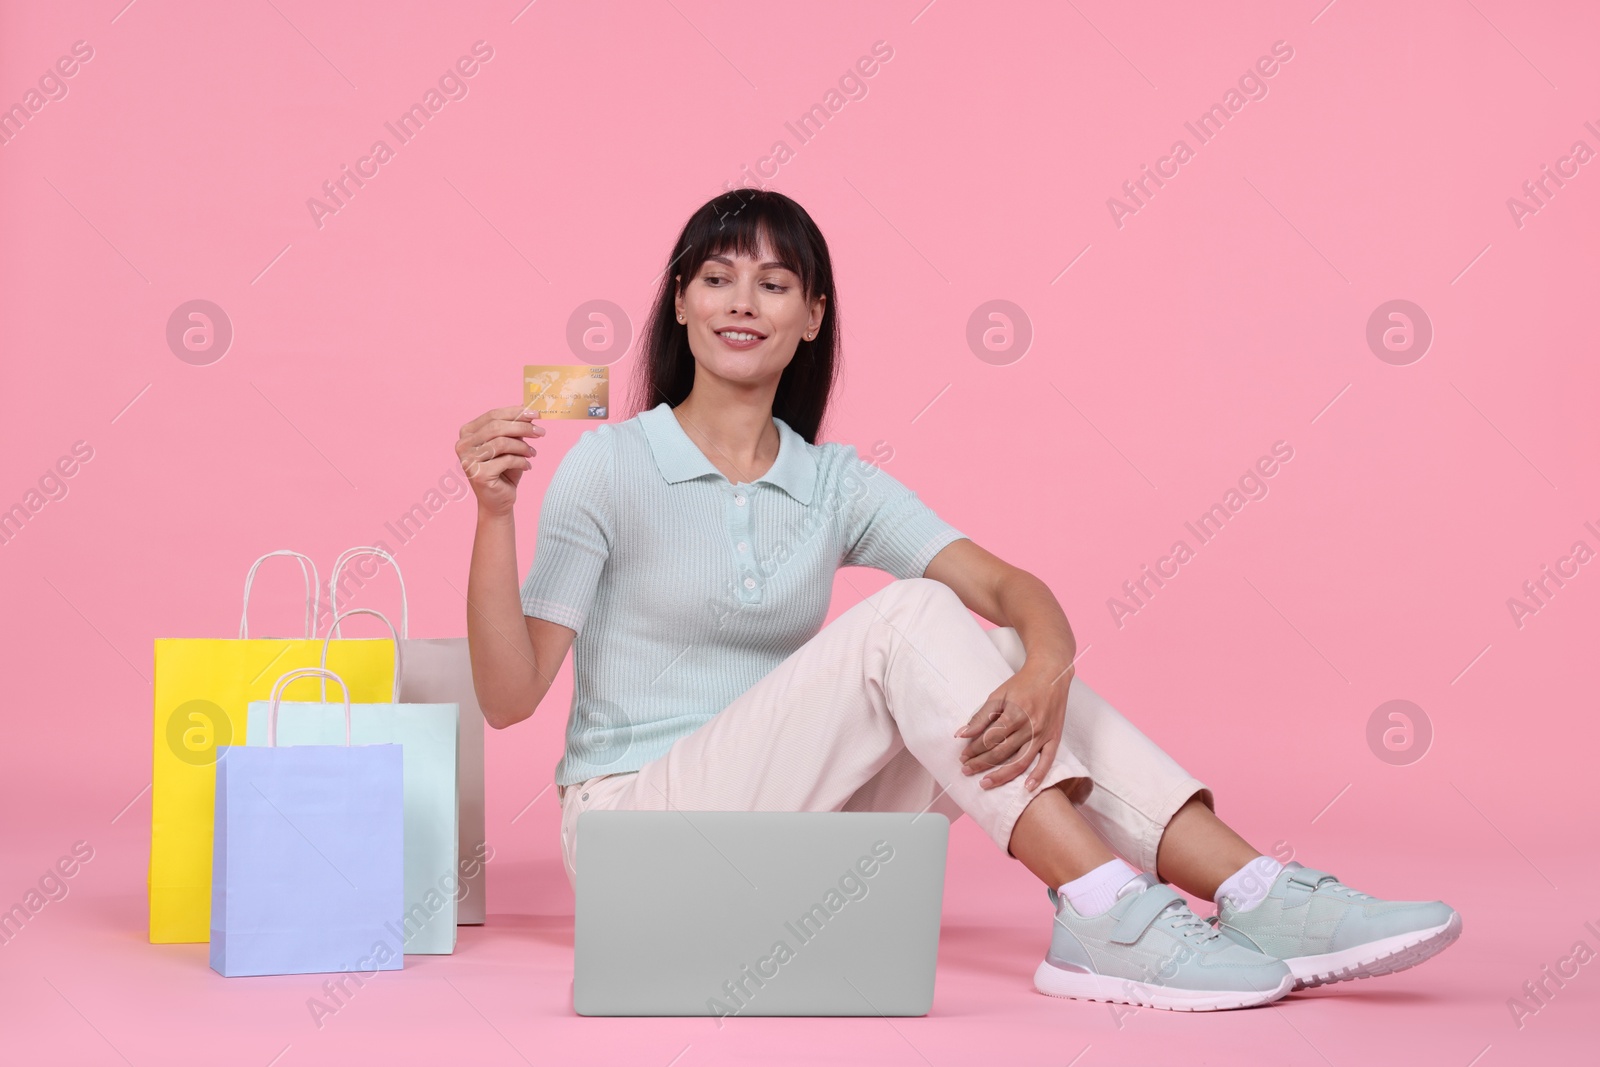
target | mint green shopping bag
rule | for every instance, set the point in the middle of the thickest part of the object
(438, 670)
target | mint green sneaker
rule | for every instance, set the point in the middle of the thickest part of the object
(1327, 932)
(1151, 950)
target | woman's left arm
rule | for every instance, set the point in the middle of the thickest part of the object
(1022, 719)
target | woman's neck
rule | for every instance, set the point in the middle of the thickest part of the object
(733, 428)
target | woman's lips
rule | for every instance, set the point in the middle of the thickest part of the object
(752, 339)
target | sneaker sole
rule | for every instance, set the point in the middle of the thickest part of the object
(1385, 956)
(1055, 982)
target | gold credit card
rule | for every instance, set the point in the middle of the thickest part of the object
(566, 392)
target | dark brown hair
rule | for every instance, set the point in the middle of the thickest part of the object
(729, 224)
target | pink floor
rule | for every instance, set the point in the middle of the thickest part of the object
(81, 985)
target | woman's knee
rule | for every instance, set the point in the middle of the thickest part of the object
(921, 593)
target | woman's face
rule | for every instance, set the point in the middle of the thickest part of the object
(745, 316)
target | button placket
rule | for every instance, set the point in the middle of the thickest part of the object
(747, 585)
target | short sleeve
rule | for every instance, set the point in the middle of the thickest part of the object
(574, 535)
(887, 525)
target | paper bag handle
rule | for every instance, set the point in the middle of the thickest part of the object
(277, 692)
(348, 556)
(333, 628)
(308, 570)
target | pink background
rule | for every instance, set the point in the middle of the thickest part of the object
(1227, 314)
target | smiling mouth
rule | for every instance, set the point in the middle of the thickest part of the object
(741, 336)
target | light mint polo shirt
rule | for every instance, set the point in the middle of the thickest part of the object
(686, 589)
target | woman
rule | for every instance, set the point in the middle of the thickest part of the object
(688, 555)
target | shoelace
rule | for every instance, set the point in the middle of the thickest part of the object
(1188, 925)
(1338, 888)
(1327, 885)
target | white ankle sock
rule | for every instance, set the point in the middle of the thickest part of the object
(1095, 892)
(1248, 886)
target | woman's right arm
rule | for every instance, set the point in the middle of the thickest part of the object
(514, 657)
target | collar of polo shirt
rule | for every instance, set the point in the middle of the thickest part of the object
(679, 459)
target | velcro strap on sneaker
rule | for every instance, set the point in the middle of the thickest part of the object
(1142, 912)
(1300, 883)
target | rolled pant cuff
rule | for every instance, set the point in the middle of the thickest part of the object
(1060, 771)
(1150, 840)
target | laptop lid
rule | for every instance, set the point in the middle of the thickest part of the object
(728, 913)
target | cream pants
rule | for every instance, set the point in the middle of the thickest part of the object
(862, 717)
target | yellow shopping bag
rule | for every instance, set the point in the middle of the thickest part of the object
(202, 690)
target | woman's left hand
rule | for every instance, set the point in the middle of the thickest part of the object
(1020, 721)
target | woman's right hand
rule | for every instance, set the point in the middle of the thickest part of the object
(494, 454)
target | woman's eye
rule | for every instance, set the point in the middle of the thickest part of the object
(715, 280)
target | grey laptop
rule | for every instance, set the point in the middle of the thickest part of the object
(733, 913)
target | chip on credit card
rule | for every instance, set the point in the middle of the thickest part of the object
(566, 392)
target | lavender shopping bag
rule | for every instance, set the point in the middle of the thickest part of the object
(308, 864)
